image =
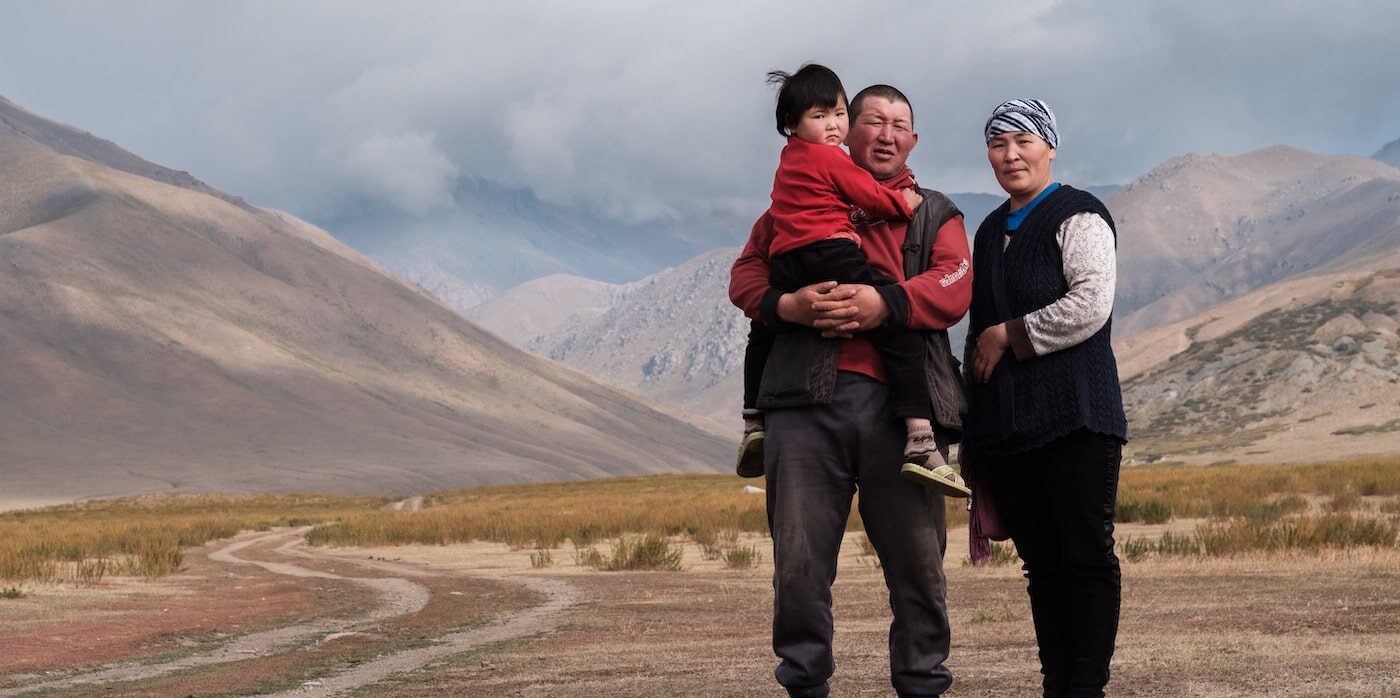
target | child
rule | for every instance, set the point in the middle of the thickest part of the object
(817, 192)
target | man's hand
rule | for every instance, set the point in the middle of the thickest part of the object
(991, 345)
(800, 307)
(851, 308)
(838, 310)
(912, 197)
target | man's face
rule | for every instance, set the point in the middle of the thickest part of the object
(882, 137)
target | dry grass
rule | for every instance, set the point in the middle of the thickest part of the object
(705, 508)
(1238, 490)
(547, 515)
(145, 536)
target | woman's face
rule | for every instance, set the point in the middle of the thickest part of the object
(1021, 162)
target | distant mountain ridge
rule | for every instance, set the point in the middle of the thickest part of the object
(1200, 229)
(495, 237)
(158, 336)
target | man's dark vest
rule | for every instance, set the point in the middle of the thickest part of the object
(801, 368)
(1030, 403)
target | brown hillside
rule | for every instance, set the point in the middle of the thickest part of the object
(159, 335)
(1306, 369)
(1200, 230)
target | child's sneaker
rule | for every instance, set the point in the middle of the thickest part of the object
(925, 465)
(751, 448)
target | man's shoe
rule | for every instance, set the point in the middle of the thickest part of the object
(819, 691)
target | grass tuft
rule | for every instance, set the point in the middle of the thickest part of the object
(1241, 536)
(1149, 511)
(742, 557)
(648, 552)
(541, 558)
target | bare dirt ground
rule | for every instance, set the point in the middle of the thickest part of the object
(478, 620)
(1282, 626)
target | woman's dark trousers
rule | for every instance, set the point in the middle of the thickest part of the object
(1057, 502)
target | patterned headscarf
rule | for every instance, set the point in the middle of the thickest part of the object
(1029, 115)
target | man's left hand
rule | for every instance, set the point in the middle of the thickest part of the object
(869, 308)
(991, 345)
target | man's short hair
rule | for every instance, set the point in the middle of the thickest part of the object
(884, 92)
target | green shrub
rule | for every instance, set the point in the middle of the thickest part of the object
(1148, 511)
(1003, 554)
(649, 552)
(1136, 549)
(742, 557)
(541, 558)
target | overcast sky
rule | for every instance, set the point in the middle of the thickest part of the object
(660, 109)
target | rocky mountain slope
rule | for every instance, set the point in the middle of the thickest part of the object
(158, 335)
(534, 314)
(1389, 153)
(1201, 229)
(1305, 369)
(673, 336)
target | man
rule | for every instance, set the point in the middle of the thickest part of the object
(819, 453)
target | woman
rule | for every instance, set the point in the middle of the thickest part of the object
(1046, 425)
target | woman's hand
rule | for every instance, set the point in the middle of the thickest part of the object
(991, 345)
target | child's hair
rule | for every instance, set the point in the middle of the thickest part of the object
(811, 86)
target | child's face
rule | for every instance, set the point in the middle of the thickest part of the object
(824, 124)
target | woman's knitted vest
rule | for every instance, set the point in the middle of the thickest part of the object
(1030, 403)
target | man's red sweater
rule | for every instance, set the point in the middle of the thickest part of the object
(937, 298)
(818, 190)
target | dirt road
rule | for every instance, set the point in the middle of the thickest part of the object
(432, 621)
(399, 592)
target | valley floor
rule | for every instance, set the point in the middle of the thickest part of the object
(479, 620)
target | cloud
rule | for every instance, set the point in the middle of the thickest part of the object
(406, 170)
(659, 110)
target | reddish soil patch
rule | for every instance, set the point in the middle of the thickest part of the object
(197, 611)
(136, 619)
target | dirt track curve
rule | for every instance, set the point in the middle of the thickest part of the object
(396, 595)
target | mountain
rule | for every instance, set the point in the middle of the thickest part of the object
(494, 237)
(673, 336)
(157, 335)
(1389, 154)
(1303, 369)
(1267, 233)
(531, 313)
(1202, 229)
